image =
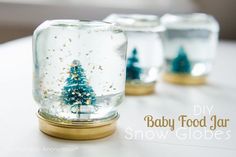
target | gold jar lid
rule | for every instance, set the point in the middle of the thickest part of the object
(132, 88)
(78, 130)
(184, 79)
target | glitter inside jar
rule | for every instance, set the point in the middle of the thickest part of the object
(79, 69)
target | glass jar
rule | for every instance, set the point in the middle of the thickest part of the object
(79, 76)
(144, 51)
(190, 43)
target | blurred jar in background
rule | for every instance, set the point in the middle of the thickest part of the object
(189, 43)
(144, 56)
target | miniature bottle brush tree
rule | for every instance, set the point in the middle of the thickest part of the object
(181, 63)
(76, 91)
(133, 70)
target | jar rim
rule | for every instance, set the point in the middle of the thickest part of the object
(100, 25)
(190, 20)
(78, 22)
(136, 22)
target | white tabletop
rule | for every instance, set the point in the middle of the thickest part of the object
(20, 136)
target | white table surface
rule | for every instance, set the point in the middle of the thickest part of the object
(20, 136)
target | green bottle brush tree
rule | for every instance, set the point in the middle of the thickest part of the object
(77, 91)
(181, 63)
(133, 70)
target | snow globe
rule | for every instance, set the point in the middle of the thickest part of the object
(189, 43)
(144, 52)
(79, 77)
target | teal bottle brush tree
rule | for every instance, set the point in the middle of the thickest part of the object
(133, 70)
(181, 63)
(77, 91)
